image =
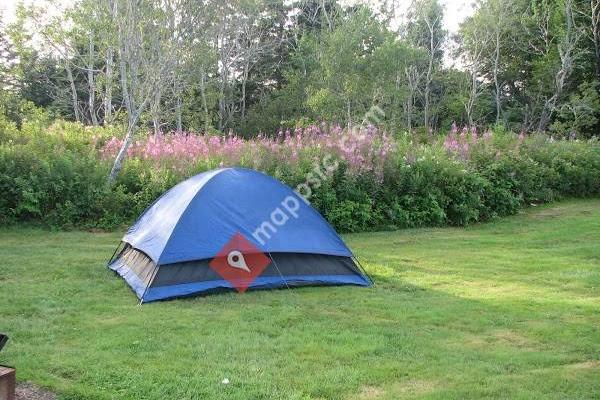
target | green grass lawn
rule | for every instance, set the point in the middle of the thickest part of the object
(509, 309)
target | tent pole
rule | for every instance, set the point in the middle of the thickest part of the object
(278, 270)
(360, 267)
(149, 283)
(114, 253)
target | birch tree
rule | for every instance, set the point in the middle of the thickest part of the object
(595, 29)
(473, 40)
(425, 30)
(108, 39)
(413, 78)
(495, 71)
(91, 80)
(144, 50)
(567, 50)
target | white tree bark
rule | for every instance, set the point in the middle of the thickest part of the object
(109, 64)
(108, 86)
(413, 78)
(495, 70)
(595, 14)
(566, 48)
(155, 111)
(204, 102)
(432, 49)
(91, 83)
(144, 69)
(74, 96)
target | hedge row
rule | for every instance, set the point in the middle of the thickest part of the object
(56, 176)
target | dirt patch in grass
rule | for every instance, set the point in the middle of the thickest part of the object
(552, 212)
(28, 391)
(414, 387)
(506, 337)
(513, 338)
(409, 387)
(591, 364)
(370, 392)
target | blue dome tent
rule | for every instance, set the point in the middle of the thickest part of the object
(231, 228)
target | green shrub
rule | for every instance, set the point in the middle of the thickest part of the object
(350, 216)
(53, 174)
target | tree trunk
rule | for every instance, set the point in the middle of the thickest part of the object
(409, 113)
(74, 99)
(495, 74)
(427, 94)
(324, 8)
(108, 88)
(245, 78)
(224, 75)
(546, 114)
(117, 165)
(91, 84)
(221, 112)
(142, 68)
(116, 168)
(109, 61)
(348, 114)
(595, 5)
(474, 92)
(412, 76)
(179, 125)
(204, 103)
(155, 111)
(131, 118)
(131, 130)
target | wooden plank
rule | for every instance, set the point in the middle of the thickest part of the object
(7, 383)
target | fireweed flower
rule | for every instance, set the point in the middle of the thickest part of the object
(463, 143)
(364, 150)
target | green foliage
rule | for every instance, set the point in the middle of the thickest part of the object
(339, 74)
(350, 216)
(8, 129)
(580, 114)
(61, 189)
(54, 175)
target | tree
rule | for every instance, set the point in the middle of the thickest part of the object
(567, 50)
(144, 51)
(595, 30)
(425, 30)
(490, 41)
(473, 39)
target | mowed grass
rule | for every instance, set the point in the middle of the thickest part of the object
(509, 309)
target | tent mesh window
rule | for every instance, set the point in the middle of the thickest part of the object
(138, 262)
(287, 266)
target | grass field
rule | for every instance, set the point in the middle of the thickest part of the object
(509, 309)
